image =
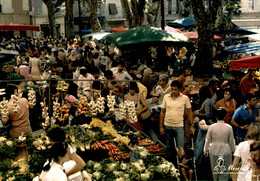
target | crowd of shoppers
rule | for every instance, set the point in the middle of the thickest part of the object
(225, 112)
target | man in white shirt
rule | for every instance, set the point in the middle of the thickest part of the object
(85, 83)
(120, 74)
(171, 118)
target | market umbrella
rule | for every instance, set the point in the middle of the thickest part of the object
(144, 34)
(173, 30)
(245, 63)
(184, 22)
(193, 35)
(244, 48)
(97, 36)
(118, 29)
(237, 31)
(19, 27)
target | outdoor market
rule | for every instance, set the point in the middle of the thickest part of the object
(129, 104)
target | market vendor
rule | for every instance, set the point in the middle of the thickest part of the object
(18, 116)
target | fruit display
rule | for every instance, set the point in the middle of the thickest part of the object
(64, 113)
(114, 151)
(83, 106)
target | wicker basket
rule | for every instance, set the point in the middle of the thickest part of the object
(8, 68)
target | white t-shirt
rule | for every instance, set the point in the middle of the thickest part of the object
(122, 76)
(85, 84)
(175, 109)
(243, 152)
(55, 173)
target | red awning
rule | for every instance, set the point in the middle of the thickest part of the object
(19, 27)
(193, 35)
(245, 63)
(118, 29)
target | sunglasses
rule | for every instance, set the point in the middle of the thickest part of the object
(156, 96)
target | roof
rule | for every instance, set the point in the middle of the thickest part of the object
(245, 23)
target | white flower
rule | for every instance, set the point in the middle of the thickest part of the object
(43, 147)
(90, 163)
(9, 143)
(97, 166)
(21, 138)
(96, 175)
(118, 173)
(146, 175)
(138, 167)
(2, 139)
(143, 154)
(120, 179)
(159, 168)
(126, 176)
(123, 166)
(111, 167)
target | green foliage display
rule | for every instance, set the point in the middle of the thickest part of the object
(12, 76)
(147, 167)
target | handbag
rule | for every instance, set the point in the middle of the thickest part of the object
(145, 114)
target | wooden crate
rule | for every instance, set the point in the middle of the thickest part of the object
(8, 68)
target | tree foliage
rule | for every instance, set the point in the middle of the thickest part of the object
(207, 14)
(134, 12)
(93, 18)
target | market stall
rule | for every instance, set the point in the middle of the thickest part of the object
(245, 63)
(112, 150)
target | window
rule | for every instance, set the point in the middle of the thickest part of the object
(0, 8)
(251, 4)
(172, 5)
(112, 9)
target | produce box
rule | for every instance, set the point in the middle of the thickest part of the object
(8, 68)
(158, 148)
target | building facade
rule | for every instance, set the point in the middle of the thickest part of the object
(250, 17)
(15, 12)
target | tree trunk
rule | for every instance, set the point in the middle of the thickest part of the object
(128, 13)
(138, 12)
(69, 19)
(179, 9)
(157, 20)
(206, 27)
(51, 18)
(94, 21)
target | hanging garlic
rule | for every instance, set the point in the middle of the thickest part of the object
(111, 102)
(56, 109)
(127, 111)
(45, 114)
(93, 108)
(122, 111)
(32, 97)
(4, 108)
(100, 105)
(15, 103)
(132, 117)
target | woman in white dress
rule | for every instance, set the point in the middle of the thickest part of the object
(220, 145)
(34, 64)
(243, 152)
(53, 169)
